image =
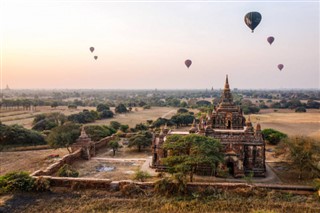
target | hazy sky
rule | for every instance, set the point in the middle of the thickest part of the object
(45, 44)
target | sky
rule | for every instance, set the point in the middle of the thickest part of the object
(143, 44)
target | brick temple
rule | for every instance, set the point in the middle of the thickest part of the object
(243, 145)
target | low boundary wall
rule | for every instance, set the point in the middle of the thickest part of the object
(53, 168)
(107, 184)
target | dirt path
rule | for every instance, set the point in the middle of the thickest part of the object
(168, 113)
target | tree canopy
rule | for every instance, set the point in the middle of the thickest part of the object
(273, 136)
(140, 140)
(15, 135)
(63, 136)
(186, 153)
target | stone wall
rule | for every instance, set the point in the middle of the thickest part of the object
(107, 184)
(104, 141)
(53, 168)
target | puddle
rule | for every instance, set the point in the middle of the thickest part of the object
(104, 168)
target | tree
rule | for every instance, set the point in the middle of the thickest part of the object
(97, 132)
(15, 135)
(48, 121)
(273, 136)
(63, 136)
(186, 153)
(114, 145)
(54, 104)
(121, 108)
(303, 152)
(115, 125)
(140, 140)
(203, 103)
(301, 109)
(182, 110)
(102, 107)
(106, 114)
(124, 128)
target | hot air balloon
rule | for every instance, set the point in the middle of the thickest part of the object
(95, 57)
(280, 66)
(188, 63)
(270, 39)
(91, 49)
(252, 20)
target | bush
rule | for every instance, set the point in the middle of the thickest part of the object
(301, 109)
(16, 181)
(41, 184)
(141, 176)
(67, 171)
(15, 135)
(273, 136)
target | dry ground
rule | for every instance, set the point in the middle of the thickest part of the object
(27, 160)
(25, 117)
(138, 115)
(290, 122)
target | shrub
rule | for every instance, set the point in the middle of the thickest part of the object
(41, 184)
(67, 171)
(273, 136)
(16, 181)
(141, 175)
(301, 109)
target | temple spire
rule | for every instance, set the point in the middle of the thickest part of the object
(226, 85)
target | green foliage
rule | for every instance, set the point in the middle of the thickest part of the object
(140, 140)
(141, 175)
(48, 121)
(273, 136)
(147, 107)
(67, 171)
(141, 127)
(114, 145)
(54, 104)
(124, 127)
(301, 109)
(182, 119)
(115, 125)
(41, 184)
(106, 114)
(16, 181)
(97, 132)
(63, 136)
(248, 177)
(250, 109)
(15, 135)
(102, 107)
(84, 117)
(187, 152)
(182, 110)
(303, 152)
(203, 103)
(121, 108)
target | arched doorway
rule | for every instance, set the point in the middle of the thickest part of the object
(229, 124)
(230, 167)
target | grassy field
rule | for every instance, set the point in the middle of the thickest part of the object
(25, 118)
(138, 115)
(209, 200)
(289, 122)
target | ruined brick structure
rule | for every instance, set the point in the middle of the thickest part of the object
(243, 146)
(84, 142)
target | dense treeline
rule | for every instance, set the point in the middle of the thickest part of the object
(19, 99)
(15, 135)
